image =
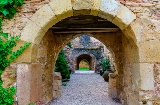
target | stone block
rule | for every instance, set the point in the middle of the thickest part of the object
(157, 74)
(146, 76)
(135, 71)
(57, 76)
(95, 7)
(44, 17)
(28, 83)
(124, 17)
(55, 87)
(23, 84)
(54, 94)
(112, 86)
(32, 33)
(35, 70)
(109, 9)
(42, 52)
(149, 51)
(61, 8)
(86, 7)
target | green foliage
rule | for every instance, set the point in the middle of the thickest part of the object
(6, 95)
(31, 104)
(69, 44)
(6, 57)
(8, 7)
(105, 65)
(83, 69)
(61, 66)
(64, 83)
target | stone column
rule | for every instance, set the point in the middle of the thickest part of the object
(112, 89)
(57, 84)
(28, 83)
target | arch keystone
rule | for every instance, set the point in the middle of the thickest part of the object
(109, 9)
(61, 8)
(86, 7)
(44, 17)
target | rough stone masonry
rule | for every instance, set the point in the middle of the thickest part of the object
(136, 46)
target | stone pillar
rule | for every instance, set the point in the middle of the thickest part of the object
(112, 89)
(57, 84)
(28, 83)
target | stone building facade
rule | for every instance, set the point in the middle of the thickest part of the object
(135, 46)
(84, 47)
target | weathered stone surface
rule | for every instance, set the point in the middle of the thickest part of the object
(149, 51)
(146, 76)
(157, 79)
(91, 5)
(57, 84)
(57, 76)
(112, 86)
(9, 76)
(23, 84)
(109, 9)
(28, 83)
(35, 17)
(44, 17)
(61, 8)
(32, 33)
(124, 17)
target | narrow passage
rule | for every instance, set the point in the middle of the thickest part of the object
(85, 88)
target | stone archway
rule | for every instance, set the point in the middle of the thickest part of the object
(92, 60)
(56, 10)
(87, 58)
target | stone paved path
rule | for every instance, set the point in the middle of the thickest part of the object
(85, 89)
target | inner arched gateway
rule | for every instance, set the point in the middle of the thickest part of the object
(84, 65)
(35, 66)
(86, 58)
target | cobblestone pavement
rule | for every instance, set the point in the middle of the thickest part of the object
(85, 89)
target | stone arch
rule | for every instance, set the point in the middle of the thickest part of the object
(57, 10)
(85, 53)
(106, 43)
(84, 57)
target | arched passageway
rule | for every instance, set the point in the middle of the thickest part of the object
(88, 58)
(38, 61)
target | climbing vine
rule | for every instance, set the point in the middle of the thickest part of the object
(7, 42)
(8, 7)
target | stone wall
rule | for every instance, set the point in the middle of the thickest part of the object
(57, 85)
(137, 51)
(96, 54)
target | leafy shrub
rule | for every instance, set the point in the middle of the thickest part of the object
(105, 65)
(61, 66)
(8, 9)
(6, 57)
(64, 83)
(69, 44)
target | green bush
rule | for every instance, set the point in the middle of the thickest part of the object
(61, 66)
(8, 10)
(69, 44)
(105, 65)
(8, 7)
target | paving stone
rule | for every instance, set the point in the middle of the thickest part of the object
(85, 89)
